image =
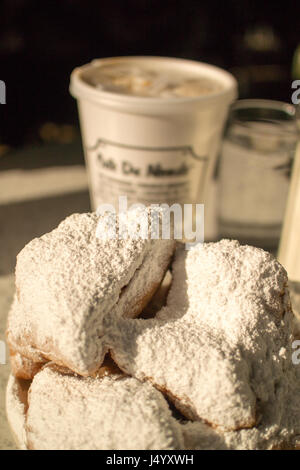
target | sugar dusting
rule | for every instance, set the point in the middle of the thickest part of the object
(114, 412)
(69, 281)
(221, 348)
(279, 426)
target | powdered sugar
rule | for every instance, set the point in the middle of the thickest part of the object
(54, 429)
(69, 281)
(113, 412)
(221, 346)
(16, 409)
(279, 427)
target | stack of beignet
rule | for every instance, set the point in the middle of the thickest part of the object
(88, 374)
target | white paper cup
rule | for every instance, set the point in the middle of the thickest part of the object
(152, 150)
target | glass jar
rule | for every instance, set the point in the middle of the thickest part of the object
(254, 175)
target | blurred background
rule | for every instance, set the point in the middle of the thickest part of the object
(41, 42)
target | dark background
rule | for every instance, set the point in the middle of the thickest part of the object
(42, 41)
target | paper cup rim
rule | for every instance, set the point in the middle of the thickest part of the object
(82, 90)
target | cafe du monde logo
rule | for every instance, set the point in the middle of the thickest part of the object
(2, 92)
